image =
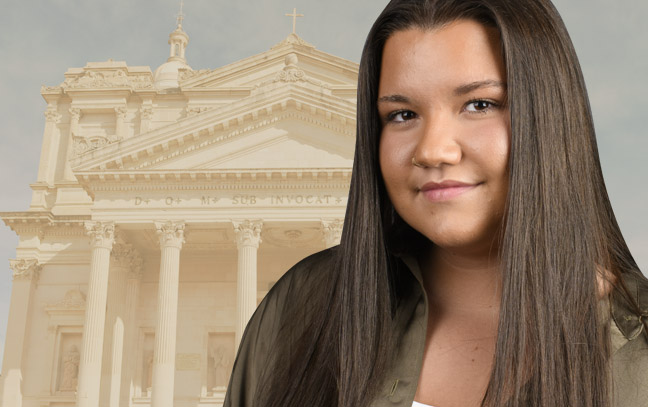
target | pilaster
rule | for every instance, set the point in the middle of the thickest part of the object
(25, 276)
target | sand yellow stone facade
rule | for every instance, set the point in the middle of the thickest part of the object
(167, 204)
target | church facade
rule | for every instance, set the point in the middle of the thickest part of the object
(167, 204)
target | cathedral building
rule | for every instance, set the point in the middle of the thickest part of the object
(167, 204)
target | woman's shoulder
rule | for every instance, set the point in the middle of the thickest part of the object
(283, 313)
(630, 344)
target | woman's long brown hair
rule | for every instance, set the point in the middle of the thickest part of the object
(551, 350)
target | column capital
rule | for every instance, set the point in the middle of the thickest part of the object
(75, 113)
(52, 114)
(171, 233)
(124, 255)
(102, 234)
(146, 112)
(25, 269)
(248, 232)
(121, 111)
(135, 272)
(332, 230)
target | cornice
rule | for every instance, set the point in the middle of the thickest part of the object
(44, 223)
(250, 179)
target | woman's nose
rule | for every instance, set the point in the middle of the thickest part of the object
(437, 144)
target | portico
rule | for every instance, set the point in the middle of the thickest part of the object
(168, 203)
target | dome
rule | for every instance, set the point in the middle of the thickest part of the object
(166, 76)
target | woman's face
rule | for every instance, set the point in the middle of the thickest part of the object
(441, 101)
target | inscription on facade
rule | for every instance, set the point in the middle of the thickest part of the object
(243, 200)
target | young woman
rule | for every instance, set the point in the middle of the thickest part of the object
(480, 262)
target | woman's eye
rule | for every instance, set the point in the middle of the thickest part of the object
(401, 116)
(478, 106)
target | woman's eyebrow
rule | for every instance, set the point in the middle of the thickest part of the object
(469, 87)
(393, 99)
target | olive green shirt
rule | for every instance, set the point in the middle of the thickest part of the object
(629, 342)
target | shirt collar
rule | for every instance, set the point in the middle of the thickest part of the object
(627, 321)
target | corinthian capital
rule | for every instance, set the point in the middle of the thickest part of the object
(121, 111)
(25, 269)
(248, 232)
(102, 234)
(332, 230)
(75, 114)
(52, 114)
(171, 233)
(124, 255)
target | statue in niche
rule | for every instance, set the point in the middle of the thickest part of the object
(221, 366)
(70, 369)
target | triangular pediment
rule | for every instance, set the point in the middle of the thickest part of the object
(292, 54)
(289, 144)
(288, 124)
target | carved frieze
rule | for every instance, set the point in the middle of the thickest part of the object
(93, 79)
(193, 111)
(187, 74)
(73, 300)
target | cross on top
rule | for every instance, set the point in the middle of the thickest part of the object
(180, 17)
(294, 15)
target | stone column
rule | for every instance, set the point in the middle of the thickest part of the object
(102, 235)
(25, 276)
(120, 130)
(121, 261)
(171, 236)
(129, 365)
(332, 231)
(248, 237)
(47, 167)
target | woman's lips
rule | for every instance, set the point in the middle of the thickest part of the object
(445, 190)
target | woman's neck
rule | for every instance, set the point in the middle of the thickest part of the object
(459, 285)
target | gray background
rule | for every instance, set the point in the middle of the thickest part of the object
(42, 39)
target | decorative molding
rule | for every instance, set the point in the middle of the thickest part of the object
(85, 144)
(171, 233)
(247, 232)
(194, 111)
(73, 300)
(25, 269)
(293, 39)
(186, 74)
(102, 234)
